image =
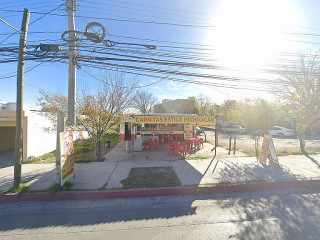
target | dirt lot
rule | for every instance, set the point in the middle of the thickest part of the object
(283, 145)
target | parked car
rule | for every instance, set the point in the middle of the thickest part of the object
(199, 130)
(233, 129)
(282, 132)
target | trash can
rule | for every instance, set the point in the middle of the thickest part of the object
(108, 144)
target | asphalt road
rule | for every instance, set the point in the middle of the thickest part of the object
(268, 215)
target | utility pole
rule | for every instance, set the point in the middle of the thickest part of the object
(71, 8)
(19, 104)
(60, 129)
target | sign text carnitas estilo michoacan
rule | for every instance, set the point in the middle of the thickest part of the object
(193, 120)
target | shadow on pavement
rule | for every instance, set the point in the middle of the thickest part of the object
(74, 216)
(313, 160)
(291, 215)
(236, 172)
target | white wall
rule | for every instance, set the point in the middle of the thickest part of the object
(39, 140)
(9, 106)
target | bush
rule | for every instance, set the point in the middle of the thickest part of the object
(112, 136)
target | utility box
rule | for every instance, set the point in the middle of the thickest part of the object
(137, 144)
(128, 146)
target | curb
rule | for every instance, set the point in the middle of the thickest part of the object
(154, 192)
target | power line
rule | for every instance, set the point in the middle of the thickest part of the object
(14, 75)
(135, 21)
(153, 7)
(47, 14)
(140, 14)
(10, 25)
(33, 22)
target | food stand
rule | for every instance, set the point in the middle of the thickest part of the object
(159, 127)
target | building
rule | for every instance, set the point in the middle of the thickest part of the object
(37, 140)
(160, 126)
(180, 106)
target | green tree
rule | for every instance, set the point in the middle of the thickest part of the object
(205, 106)
(226, 107)
(301, 89)
(191, 106)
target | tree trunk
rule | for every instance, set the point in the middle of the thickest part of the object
(302, 145)
(256, 146)
(98, 149)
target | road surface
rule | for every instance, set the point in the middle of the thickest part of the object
(268, 215)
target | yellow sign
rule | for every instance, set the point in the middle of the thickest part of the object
(67, 156)
(187, 131)
(193, 120)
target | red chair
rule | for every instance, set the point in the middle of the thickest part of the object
(176, 148)
(146, 144)
(170, 139)
(153, 143)
(201, 142)
(188, 144)
(161, 141)
(169, 149)
(182, 149)
(196, 144)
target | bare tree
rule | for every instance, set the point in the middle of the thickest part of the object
(97, 111)
(144, 102)
(301, 88)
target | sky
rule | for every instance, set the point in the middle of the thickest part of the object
(223, 49)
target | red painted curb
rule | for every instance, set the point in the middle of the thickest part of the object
(148, 192)
(10, 197)
(44, 196)
(152, 192)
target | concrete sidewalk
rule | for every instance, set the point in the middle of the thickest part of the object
(204, 171)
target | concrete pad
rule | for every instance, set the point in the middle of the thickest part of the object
(6, 178)
(43, 181)
(31, 171)
(188, 173)
(92, 176)
(223, 170)
(38, 173)
(267, 173)
(119, 154)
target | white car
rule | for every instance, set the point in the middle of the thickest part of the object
(282, 132)
(233, 129)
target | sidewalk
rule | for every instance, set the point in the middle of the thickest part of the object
(223, 170)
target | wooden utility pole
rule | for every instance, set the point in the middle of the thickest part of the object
(70, 7)
(19, 104)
